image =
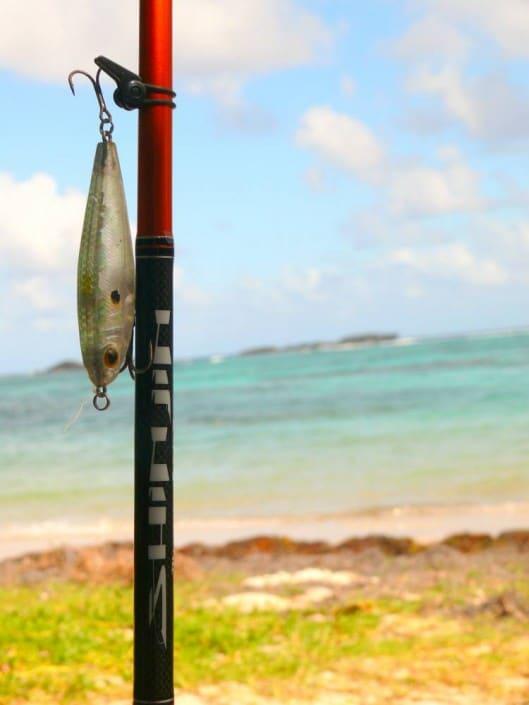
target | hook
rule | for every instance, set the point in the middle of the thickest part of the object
(105, 117)
(142, 370)
(129, 362)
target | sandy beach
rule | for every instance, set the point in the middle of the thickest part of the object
(424, 524)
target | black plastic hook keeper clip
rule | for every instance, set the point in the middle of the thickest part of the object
(132, 92)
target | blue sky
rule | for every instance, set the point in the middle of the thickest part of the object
(339, 167)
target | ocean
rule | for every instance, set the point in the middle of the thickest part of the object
(434, 424)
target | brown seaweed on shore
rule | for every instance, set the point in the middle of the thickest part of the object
(519, 539)
(469, 543)
(276, 545)
(386, 544)
(104, 563)
(270, 545)
(113, 562)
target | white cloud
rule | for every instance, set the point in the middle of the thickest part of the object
(343, 140)
(234, 111)
(422, 190)
(215, 41)
(187, 292)
(414, 292)
(52, 325)
(293, 287)
(490, 107)
(505, 21)
(245, 36)
(40, 227)
(432, 36)
(451, 261)
(409, 190)
(37, 291)
(46, 39)
(515, 236)
(40, 232)
(448, 85)
(310, 284)
(446, 45)
(507, 242)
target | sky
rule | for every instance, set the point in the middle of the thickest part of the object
(339, 167)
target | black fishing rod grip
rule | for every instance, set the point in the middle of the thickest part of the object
(153, 468)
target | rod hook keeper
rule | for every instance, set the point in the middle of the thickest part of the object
(132, 92)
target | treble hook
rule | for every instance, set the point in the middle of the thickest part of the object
(105, 117)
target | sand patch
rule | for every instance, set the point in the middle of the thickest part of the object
(337, 578)
(266, 601)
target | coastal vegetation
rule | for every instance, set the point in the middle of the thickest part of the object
(394, 623)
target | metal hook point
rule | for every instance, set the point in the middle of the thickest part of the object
(106, 126)
(133, 370)
(97, 87)
(130, 365)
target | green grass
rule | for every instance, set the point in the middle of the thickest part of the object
(64, 643)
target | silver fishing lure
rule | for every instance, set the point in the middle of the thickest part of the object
(105, 272)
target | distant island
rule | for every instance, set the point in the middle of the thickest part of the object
(65, 366)
(347, 343)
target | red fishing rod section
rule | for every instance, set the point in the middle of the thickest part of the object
(153, 471)
(155, 208)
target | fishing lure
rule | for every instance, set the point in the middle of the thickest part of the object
(105, 271)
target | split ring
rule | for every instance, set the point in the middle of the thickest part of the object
(101, 394)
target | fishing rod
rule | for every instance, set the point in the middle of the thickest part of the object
(153, 436)
(110, 306)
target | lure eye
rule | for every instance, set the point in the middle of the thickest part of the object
(111, 357)
(115, 296)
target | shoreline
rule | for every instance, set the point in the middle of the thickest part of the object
(422, 524)
(113, 561)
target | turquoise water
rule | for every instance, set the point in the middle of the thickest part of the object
(429, 423)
